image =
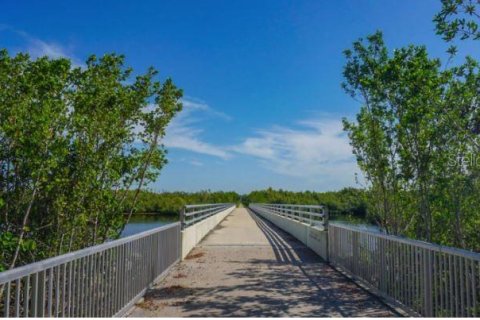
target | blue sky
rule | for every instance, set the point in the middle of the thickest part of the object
(263, 101)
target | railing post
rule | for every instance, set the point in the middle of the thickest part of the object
(326, 217)
(427, 287)
(182, 218)
(325, 227)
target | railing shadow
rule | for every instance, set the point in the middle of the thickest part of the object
(286, 248)
(297, 282)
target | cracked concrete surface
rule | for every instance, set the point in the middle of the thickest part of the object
(247, 267)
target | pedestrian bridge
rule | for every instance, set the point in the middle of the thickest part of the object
(265, 260)
(248, 267)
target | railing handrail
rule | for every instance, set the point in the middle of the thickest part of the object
(315, 214)
(293, 205)
(419, 243)
(189, 216)
(25, 270)
(189, 206)
(210, 209)
(297, 212)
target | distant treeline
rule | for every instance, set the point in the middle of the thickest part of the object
(348, 202)
(170, 203)
(345, 203)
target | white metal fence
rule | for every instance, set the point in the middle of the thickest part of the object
(99, 281)
(311, 214)
(431, 280)
(194, 213)
(428, 279)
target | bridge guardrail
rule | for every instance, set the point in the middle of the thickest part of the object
(99, 281)
(314, 215)
(426, 279)
(430, 280)
(193, 213)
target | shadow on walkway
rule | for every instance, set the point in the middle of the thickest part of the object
(296, 282)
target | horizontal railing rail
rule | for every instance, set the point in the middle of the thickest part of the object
(315, 215)
(194, 213)
(99, 281)
(430, 280)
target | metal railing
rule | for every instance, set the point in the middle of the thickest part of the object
(314, 215)
(193, 213)
(427, 279)
(99, 281)
(431, 280)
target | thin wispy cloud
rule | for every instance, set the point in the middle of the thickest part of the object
(192, 104)
(184, 132)
(37, 47)
(193, 162)
(186, 138)
(311, 149)
(314, 149)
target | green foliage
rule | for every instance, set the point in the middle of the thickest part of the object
(416, 124)
(458, 18)
(170, 203)
(73, 142)
(341, 204)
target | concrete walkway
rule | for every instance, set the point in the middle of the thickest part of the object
(247, 267)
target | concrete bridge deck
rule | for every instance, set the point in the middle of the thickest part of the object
(248, 267)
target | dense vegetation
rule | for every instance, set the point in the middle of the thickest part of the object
(348, 203)
(170, 203)
(74, 142)
(416, 137)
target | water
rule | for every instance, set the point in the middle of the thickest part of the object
(360, 225)
(143, 222)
